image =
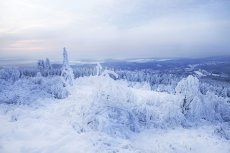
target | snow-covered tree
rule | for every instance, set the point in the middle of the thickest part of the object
(99, 69)
(189, 88)
(54, 86)
(67, 72)
(9, 74)
(41, 65)
(44, 66)
(48, 64)
(209, 105)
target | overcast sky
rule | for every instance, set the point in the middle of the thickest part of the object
(114, 28)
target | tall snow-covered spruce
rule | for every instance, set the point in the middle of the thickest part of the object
(67, 72)
(98, 69)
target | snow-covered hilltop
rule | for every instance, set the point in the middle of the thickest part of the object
(103, 112)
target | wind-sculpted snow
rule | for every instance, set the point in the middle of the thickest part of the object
(100, 114)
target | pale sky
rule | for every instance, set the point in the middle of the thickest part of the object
(114, 28)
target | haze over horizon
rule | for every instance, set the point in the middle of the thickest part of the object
(100, 29)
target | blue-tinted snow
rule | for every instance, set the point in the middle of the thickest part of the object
(135, 109)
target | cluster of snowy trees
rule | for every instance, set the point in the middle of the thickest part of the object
(44, 66)
(119, 109)
(158, 81)
(17, 88)
(165, 81)
(187, 97)
(58, 86)
(9, 74)
(123, 101)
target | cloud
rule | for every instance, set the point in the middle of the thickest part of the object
(115, 28)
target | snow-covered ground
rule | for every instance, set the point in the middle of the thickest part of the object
(106, 115)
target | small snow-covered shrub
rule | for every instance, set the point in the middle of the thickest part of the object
(159, 112)
(111, 110)
(119, 110)
(9, 74)
(28, 90)
(55, 86)
(3, 84)
(223, 131)
(224, 111)
(38, 79)
(117, 121)
(23, 91)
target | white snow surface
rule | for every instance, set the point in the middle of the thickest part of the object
(104, 115)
